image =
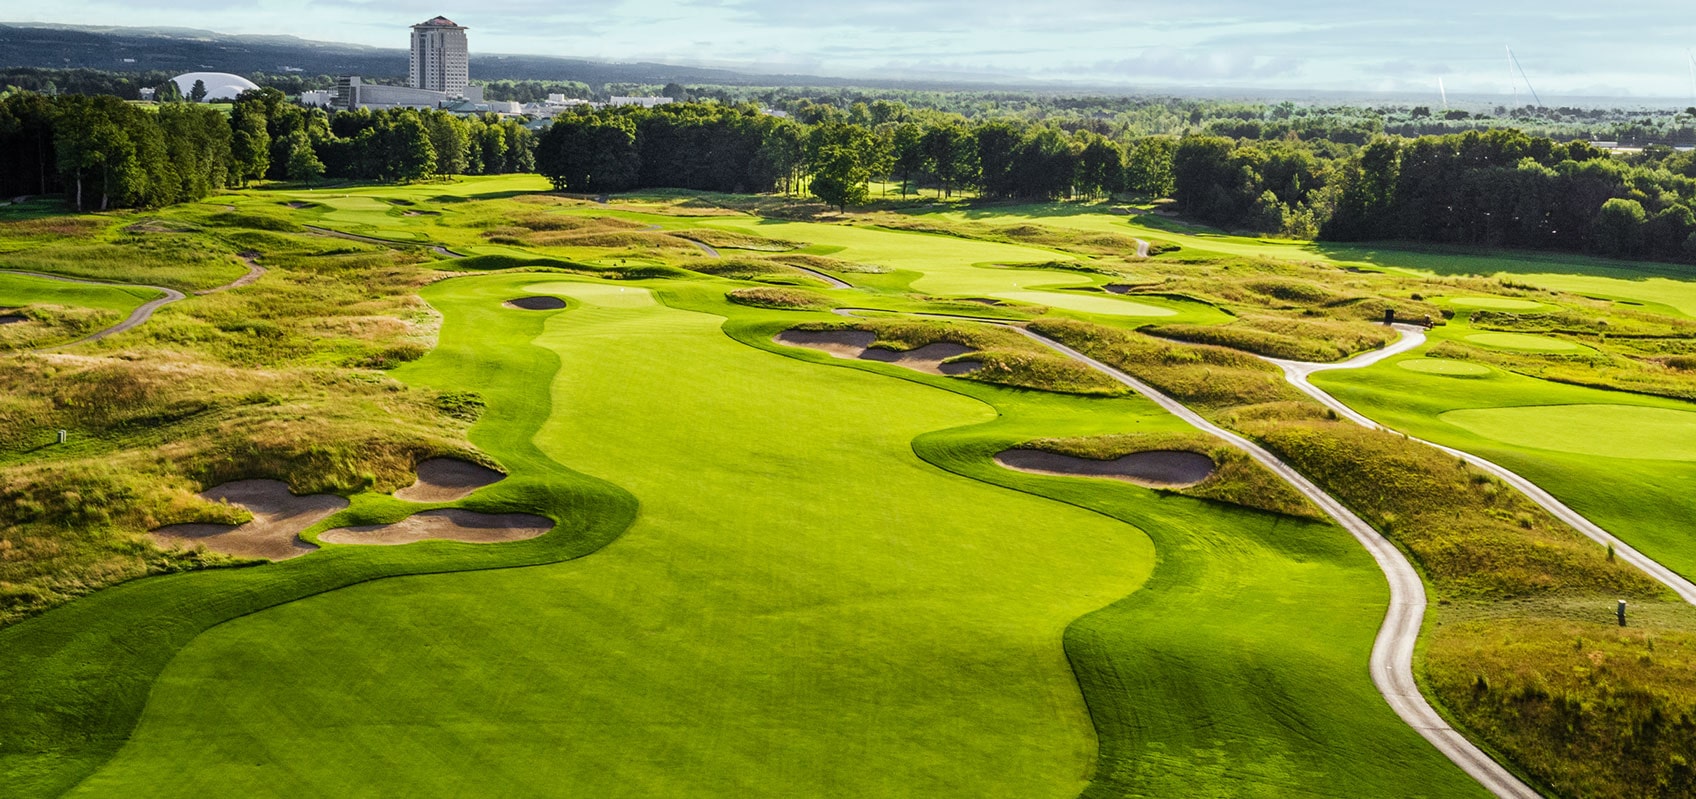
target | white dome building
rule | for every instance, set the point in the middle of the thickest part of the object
(220, 86)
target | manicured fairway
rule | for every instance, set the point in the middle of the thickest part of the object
(1444, 366)
(1495, 303)
(1521, 342)
(1610, 431)
(804, 608)
(1087, 303)
(20, 290)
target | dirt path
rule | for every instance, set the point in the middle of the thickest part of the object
(1392, 652)
(254, 270)
(712, 252)
(145, 311)
(1298, 372)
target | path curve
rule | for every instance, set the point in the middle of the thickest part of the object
(254, 270)
(1392, 653)
(712, 252)
(145, 311)
(1298, 372)
(435, 248)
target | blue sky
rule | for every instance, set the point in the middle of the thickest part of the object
(1568, 48)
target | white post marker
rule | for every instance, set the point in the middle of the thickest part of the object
(62, 436)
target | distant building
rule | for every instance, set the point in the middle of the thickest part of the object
(645, 102)
(318, 98)
(353, 92)
(440, 57)
(220, 86)
(146, 92)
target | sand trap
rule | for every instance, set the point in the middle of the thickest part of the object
(447, 480)
(298, 204)
(1155, 468)
(857, 345)
(449, 524)
(535, 303)
(12, 319)
(274, 533)
(1444, 366)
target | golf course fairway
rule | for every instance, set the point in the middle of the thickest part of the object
(806, 605)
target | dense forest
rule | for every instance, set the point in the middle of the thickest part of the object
(102, 152)
(1498, 188)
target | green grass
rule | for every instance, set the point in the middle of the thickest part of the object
(1608, 431)
(20, 290)
(1444, 366)
(889, 629)
(1521, 343)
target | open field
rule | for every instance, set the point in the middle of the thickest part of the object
(776, 571)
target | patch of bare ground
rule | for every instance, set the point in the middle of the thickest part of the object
(448, 524)
(448, 480)
(274, 533)
(857, 345)
(12, 319)
(1155, 468)
(535, 303)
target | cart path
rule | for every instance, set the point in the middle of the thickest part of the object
(145, 311)
(1413, 336)
(712, 252)
(1392, 653)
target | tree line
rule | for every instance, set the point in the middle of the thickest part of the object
(101, 152)
(716, 147)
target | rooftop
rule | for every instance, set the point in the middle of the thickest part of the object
(438, 22)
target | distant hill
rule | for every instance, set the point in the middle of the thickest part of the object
(187, 50)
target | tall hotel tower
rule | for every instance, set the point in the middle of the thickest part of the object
(440, 58)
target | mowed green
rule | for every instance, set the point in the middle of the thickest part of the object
(1444, 366)
(20, 290)
(1087, 303)
(1609, 431)
(803, 608)
(1625, 461)
(1521, 342)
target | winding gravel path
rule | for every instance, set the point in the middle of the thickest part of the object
(1298, 372)
(1392, 652)
(712, 252)
(145, 311)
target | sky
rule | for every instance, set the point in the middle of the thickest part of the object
(1565, 47)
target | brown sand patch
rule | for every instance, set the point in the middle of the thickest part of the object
(274, 532)
(447, 480)
(535, 303)
(448, 524)
(1155, 468)
(297, 205)
(857, 345)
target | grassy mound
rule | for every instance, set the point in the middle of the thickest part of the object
(762, 297)
(1238, 479)
(1297, 339)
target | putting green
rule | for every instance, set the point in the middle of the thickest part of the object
(803, 607)
(597, 294)
(1495, 303)
(1444, 366)
(1086, 303)
(1614, 431)
(1521, 342)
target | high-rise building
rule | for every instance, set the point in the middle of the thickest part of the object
(440, 58)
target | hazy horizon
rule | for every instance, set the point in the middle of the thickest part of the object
(1567, 49)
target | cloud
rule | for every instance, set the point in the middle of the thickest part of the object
(1564, 45)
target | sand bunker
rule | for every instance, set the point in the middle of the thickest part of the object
(535, 303)
(448, 480)
(274, 533)
(12, 319)
(857, 345)
(1155, 468)
(450, 524)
